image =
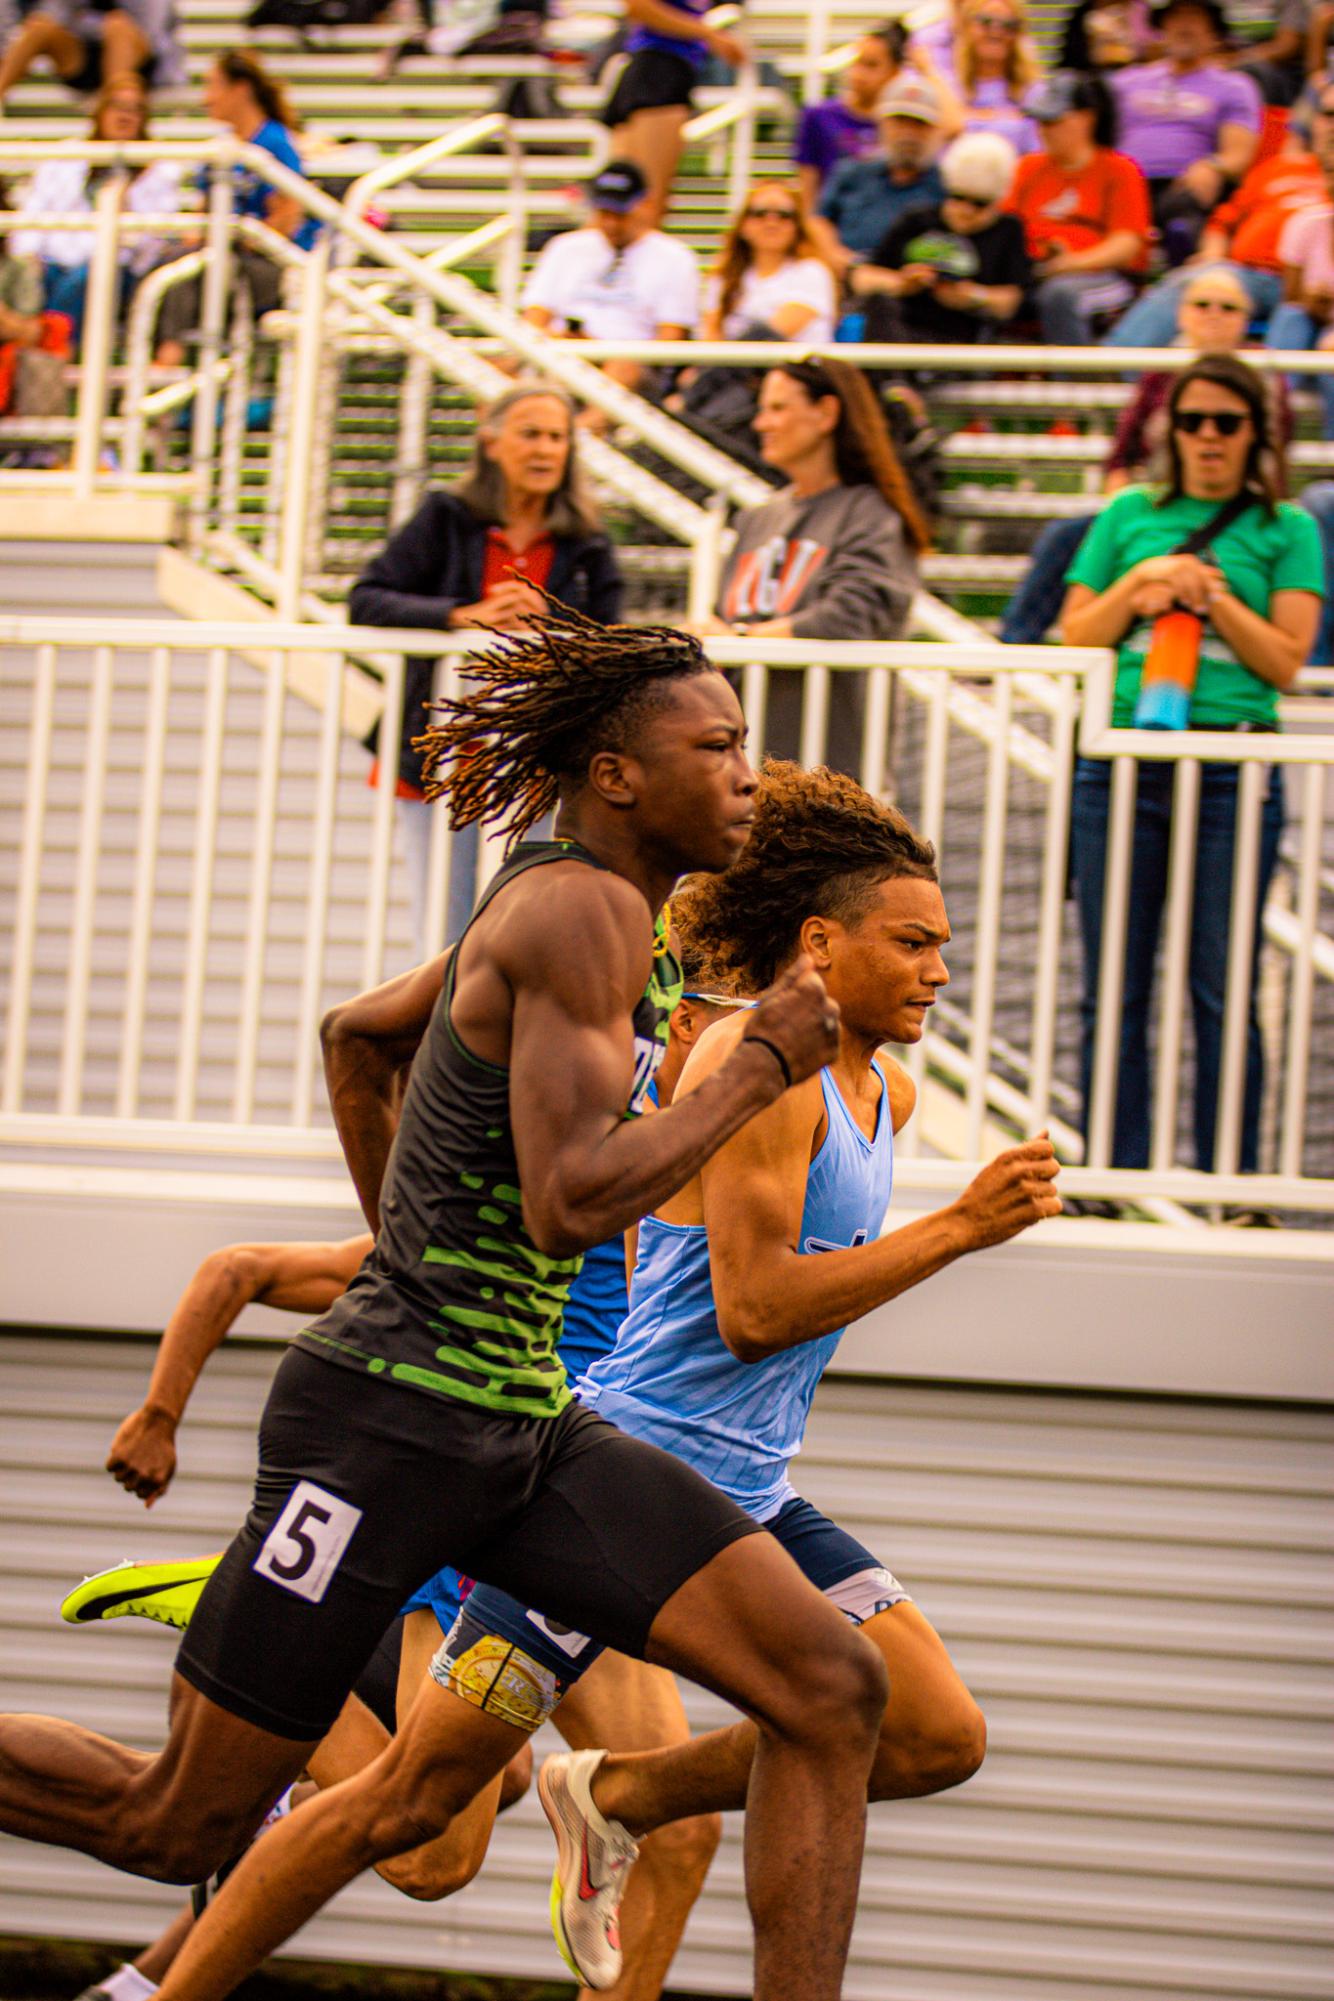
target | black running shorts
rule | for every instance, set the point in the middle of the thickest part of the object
(365, 1489)
(650, 80)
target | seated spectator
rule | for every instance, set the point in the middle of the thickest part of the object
(34, 345)
(1213, 313)
(1278, 64)
(844, 127)
(520, 521)
(1107, 34)
(1190, 124)
(862, 198)
(1305, 319)
(1085, 210)
(958, 272)
(770, 281)
(1257, 591)
(834, 555)
(991, 68)
(669, 42)
(1245, 231)
(240, 93)
(87, 44)
(67, 187)
(618, 279)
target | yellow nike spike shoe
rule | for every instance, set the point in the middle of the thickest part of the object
(167, 1592)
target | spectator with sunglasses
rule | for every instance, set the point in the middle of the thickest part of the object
(1213, 312)
(770, 281)
(957, 272)
(1245, 232)
(992, 66)
(1256, 587)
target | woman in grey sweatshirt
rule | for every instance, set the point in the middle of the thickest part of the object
(834, 555)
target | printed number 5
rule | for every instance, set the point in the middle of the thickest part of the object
(305, 1545)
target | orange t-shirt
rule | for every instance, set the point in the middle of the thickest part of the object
(1073, 211)
(1259, 211)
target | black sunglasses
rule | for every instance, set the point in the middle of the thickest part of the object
(969, 201)
(1227, 423)
(771, 215)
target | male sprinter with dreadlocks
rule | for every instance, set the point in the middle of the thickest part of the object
(733, 1318)
(625, 1704)
(425, 1418)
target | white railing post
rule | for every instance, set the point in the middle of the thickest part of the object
(1240, 963)
(23, 956)
(261, 886)
(80, 969)
(301, 441)
(236, 413)
(1111, 963)
(1301, 993)
(991, 889)
(99, 330)
(393, 667)
(201, 885)
(1055, 868)
(817, 42)
(706, 560)
(414, 424)
(1176, 958)
(145, 878)
(317, 900)
(212, 326)
(742, 160)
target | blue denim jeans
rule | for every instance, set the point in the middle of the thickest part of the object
(1036, 605)
(1293, 329)
(1152, 320)
(1318, 499)
(1209, 929)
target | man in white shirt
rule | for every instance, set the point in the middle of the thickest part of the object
(619, 279)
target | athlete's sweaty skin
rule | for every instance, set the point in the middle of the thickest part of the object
(548, 980)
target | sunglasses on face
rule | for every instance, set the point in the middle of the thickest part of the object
(1227, 423)
(968, 201)
(997, 23)
(771, 215)
(1217, 305)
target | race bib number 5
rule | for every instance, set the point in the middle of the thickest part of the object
(305, 1545)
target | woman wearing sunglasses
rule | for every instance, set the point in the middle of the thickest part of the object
(1256, 586)
(992, 66)
(770, 281)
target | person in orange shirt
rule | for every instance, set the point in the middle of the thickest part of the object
(1084, 207)
(1244, 232)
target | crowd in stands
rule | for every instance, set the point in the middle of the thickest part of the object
(1163, 184)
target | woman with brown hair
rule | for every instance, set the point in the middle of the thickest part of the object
(832, 556)
(240, 93)
(771, 278)
(1217, 542)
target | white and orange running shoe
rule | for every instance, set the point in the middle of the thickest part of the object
(593, 1860)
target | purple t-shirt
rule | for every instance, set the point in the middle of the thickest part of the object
(641, 38)
(1168, 121)
(992, 109)
(828, 133)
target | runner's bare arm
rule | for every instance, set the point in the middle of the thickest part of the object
(576, 962)
(768, 1295)
(368, 1045)
(303, 1278)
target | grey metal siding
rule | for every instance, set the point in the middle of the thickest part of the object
(1137, 1590)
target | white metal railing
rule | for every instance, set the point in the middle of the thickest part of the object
(183, 914)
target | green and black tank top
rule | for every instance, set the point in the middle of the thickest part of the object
(455, 1299)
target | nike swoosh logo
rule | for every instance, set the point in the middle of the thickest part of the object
(587, 1887)
(97, 1608)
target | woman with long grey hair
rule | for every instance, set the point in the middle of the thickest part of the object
(519, 522)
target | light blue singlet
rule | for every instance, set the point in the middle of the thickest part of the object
(671, 1377)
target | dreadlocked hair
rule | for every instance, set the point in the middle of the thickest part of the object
(543, 704)
(820, 846)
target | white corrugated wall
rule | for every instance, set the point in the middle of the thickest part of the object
(1138, 1591)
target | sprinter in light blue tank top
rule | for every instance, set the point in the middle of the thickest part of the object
(672, 1379)
(748, 1276)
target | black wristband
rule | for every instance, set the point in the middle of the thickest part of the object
(777, 1055)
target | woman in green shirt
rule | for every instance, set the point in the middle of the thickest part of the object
(1257, 588)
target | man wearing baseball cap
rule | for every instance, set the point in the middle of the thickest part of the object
(1084, 207)
(863, 198)
(1190, 124)
(618, 279)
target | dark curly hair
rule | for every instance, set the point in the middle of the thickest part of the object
(820, 846)
(701, 968)
(542, 705)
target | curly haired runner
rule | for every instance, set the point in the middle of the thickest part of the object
(425, 1418)
(734, 1317)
